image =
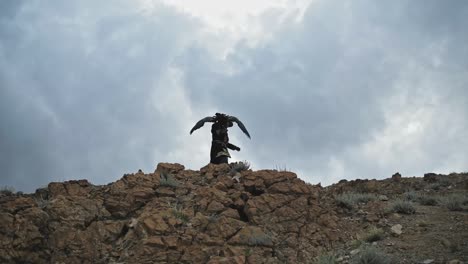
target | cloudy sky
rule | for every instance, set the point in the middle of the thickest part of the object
(328, 89)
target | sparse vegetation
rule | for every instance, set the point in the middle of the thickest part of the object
(374, 234)
(427, 200)
(179, 214)
(403, 207)
(260, 240)
(356, 243)
(345, 201)
(410, 196)
(281, 168)
(349, 199)
(168, 180)
(41, 202)
(213, 218)
(251, 220)
(7, 190)
(423, 223)
(453, 202)
(454, 247)
(326, 259)
(465, 200)
(238, 167)
(370, 255)
(444, 182)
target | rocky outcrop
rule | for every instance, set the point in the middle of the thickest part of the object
(172, 215)
(229, 214)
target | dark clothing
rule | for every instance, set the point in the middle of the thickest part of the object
(219, 160)
(219, 131)
(220, 144)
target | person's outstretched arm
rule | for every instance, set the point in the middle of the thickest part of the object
(233, 147)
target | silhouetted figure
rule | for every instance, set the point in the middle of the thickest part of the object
(220, 139)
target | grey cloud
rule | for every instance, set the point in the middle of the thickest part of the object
(79, 82)
(9, 8)
(83, 92)
(318, 91)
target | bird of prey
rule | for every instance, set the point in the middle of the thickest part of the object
(221, 118)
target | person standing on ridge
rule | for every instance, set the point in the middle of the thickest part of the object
(220, 140)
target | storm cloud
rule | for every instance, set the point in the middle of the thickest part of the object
(352, 89)
(356, 89)
(80, 83)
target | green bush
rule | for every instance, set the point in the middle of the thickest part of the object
(410, 196)
(349, 199)
(370, 255)
(327, 259)
(356, 243)
(403, 207)
(444, 182)
(453, 202)
(168, 180)
(179, 215)
(427, 200)
(374, 234)
(441, 183)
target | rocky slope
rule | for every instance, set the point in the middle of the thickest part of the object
(223, 214)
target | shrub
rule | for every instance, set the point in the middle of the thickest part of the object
(327, 259)
(410, 196)
(374, 234)
(403, 207)
(444, 182)
(180, 215)
(423, 223)
(238, 167)
(370, 255)
(260, 240)
(441, 183)
(41, 202)
(281, 168)
(177, 212)
(365, 197)
(435, 186)
(345, 201)
(7, 190)
(356, 243)
(453, 202)
(427, 200)
(213, 218)
(168, 180)
(349, 199)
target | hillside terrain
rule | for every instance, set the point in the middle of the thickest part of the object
(231, 214)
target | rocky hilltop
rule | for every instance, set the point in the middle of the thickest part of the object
(231, 214)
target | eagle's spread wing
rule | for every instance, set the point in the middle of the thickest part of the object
(201, 123)
(239, 123)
